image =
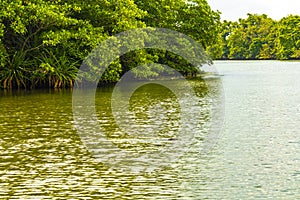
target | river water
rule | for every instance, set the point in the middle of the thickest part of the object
(256, 154)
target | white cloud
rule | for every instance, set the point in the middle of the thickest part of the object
(235, 9)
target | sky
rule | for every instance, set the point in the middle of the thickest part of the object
(234, 9)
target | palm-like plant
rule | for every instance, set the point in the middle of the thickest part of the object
(58, 70)
(13, 72)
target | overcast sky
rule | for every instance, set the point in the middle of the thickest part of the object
(235, 9)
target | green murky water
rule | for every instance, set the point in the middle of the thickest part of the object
(256, 155)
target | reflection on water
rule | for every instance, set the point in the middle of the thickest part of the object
(42, 156)
(153, 130)
(256, 156)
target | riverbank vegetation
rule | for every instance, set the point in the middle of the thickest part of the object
(258, 37)
(43, 42)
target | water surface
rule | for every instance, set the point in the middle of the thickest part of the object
(256, 156)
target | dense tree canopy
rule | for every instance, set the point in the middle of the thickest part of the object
(43, 42)
(258, 37)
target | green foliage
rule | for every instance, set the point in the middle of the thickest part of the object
(288, 38)
(43, 42)
(246, 40)
(13, 73)
(29, 28)
(193, 18)
(259, 37)
(56, 68)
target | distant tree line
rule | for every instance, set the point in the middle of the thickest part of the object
(43, 42)
(258, 37)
